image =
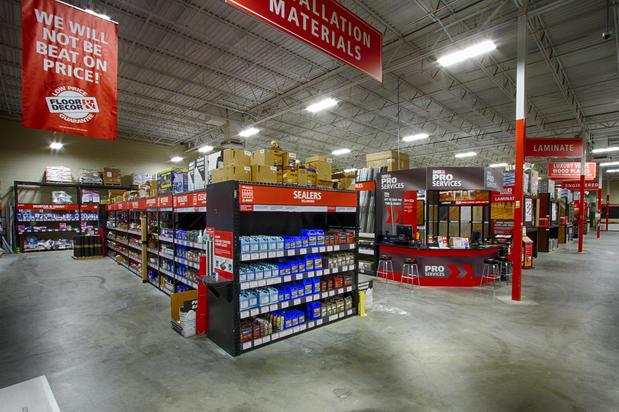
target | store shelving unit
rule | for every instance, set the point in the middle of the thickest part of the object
(249, 209)
(53, 221)
(142, 236)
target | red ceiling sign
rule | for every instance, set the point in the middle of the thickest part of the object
(325, 25)
(270, 195)
(365, 186)
(589, 185)
(555, 147)
(570, 170)
(69, 70)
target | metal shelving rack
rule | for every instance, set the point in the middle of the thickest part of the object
(76, 188)
(241, 209)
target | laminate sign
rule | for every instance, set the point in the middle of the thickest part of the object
(325, 25)
(553, 147)
(69, 70)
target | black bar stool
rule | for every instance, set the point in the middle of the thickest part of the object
(505, 265)
(410, 271)
(385, 268)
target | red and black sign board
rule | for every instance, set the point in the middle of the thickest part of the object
(325, 25)
(55, 207)
(553, 147)
(575, 185)
(195, 199)
(286, 196)
(223, 252)
(365, 186)
(69, 70)
(505, 196)
(570, 170)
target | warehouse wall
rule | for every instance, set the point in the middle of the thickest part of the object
(24, 154)
(614, 192)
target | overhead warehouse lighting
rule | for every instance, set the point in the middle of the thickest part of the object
(353, 169)
(250, 131)
(94, 13)
(612, 171)
(205, 149)
(471, 51)
(498, 165)
(606, 149)
(339, 152)
(604, 164)
(415, 137)
(321, 105)
(176, 159)
(56, 145)
(465, 154)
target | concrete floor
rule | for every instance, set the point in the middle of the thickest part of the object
(104, 342)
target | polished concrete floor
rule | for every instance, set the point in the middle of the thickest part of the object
(104, 342)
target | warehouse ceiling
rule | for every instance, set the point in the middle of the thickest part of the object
(185, 66)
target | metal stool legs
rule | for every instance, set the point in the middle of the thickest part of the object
(385, 270)
(410, 272)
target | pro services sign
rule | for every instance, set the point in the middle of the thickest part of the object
(325, 25)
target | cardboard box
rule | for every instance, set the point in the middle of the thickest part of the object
(265, 174)
(231, 172)
(269, 157)
(302, 176)
(388, 154)
(312, 178)
(238, 157)
(111, 176)
(179, 300)
(390, 164)
(317, 158)
(323, 169)
(290, 176)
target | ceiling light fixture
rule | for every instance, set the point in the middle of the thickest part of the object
(176, 159)
(94, 13)
(606, 149)
(352, 169)
(471, 51)
(465, 154)
(205, 149)
(339, 152)
(321, 105)
(498, 165)
(415, 137)
(56, 145)
(609, 164)
(612, 171)
(250, 131)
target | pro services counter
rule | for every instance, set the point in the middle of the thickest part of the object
(442, 267)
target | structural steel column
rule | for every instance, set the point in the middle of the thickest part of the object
(581, 212)
(521, 113)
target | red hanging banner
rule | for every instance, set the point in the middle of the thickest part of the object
(570, 170)
(325, 25)
(553, 147)
(69, 70)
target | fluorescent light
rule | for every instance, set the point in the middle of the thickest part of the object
(339, 152)
(465, 154)
(498, 165)
(471, 51)
(205, 149)
(250, 131)
(353, 169)
(612, 171)
(321, 105)
(415, 137)
(176, 159)
(56, 146)
(606, 149)
(94, 13)
(609, 164)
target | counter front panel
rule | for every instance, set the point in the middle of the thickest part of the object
(442, 267)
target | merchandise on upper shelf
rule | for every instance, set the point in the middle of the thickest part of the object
(90, 176)
(60, 197)
(58, 174)
(111, 176)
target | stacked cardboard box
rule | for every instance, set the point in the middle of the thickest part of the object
(268, 164)
(111, 176)
(322, 166)
(236, 166)
(345, 181)
(388, 159)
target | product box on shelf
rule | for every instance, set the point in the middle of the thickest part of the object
(231, 172)
(269, 157)
(290, 176)
(90, 176)
(237, 157)
(265, 174)
(138, 179)
(166, 179)
(180, 184)
(111, 176)
(58, 174)
(388, 159)
(323, 169)
(197, 174)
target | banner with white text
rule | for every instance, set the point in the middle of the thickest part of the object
(69, 70)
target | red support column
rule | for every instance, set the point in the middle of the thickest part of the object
(607, 209)
(581, 212)
(521, 104)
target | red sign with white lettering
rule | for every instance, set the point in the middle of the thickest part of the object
(570, 170)
(271, 195)
(196, 199)
(69, 70)
(365, 186)
(575, 185)
(165, 201)
(555, 147)
(325, 25)
(505, 196)
(151, 203)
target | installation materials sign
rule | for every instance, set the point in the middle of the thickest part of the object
(69, 70)
(325, 25)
